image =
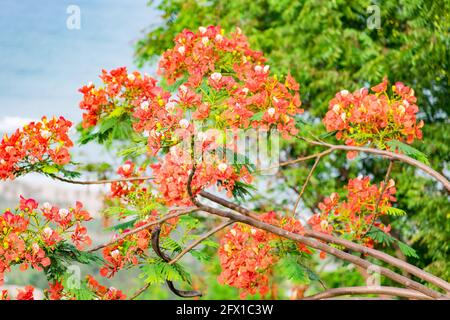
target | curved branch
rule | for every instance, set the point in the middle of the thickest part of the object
(145, 226)
(392, 155)
(347, 244)
(390, 291)
(157, 249)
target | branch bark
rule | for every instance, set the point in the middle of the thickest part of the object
(390, 291)
(145, 226)
(347, 244)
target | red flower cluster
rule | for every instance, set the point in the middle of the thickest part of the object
(129, 250)
(247, 256)
(24, 243)
(121, 189)
(239, 89)
(135, 94)
(45, 141)
(22, 294)
(358, 213)
(362, 118)
(172, 174)
(104, 293)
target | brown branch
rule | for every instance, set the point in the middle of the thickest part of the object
(347, 244)
(392, 155)
(199, 240)
(301, 159)
(390, 291)
(100, 181)
(311, 243)
(180, 293)
(140, 291)
(181, 211)
(305, 184)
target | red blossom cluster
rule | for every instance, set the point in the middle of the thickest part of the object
(362, 117)
(130, 249)
(172, 174)
(246, 254)
(229, 83)
(133, 94)
(22, 294)
(102, 292)
(45, 141)
(121, 189)
(28, 233)
(355, 216)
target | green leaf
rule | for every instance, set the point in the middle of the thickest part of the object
(257, 116)
(157, 271)
(392, 211)
(49, 169)
(409, 151)
(407, 250)
(290, 267)
(380, 236)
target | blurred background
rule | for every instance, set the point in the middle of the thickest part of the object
(326, 45)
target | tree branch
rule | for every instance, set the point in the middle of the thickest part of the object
(100, 181)
(347, 244)
(390, 291)
(180, 212)
(305, 184)
(200, 240)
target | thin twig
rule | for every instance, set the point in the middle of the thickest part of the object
(201, 239)
(143, 227)
(380, 197)
(100, 181)
(305, 184)
(140, 291)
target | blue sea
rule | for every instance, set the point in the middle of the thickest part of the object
(43, 62)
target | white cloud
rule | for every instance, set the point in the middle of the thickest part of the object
(10, 124)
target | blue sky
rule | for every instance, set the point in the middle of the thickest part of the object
(43, 63)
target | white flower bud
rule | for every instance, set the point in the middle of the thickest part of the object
(63, 213)
(115, 254)
(219, 37)
(216, 76)
(48, 232)
(131, 77)
(184, 123)
(144, 105)
(344, 93)
(181, 50)
(202, 30)
(170, 106)
(205, 40)
(222, 167)
(47, 206)
(46, 134)
(271, 111)
(324, 224)
(336, 108)
(183, 88)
